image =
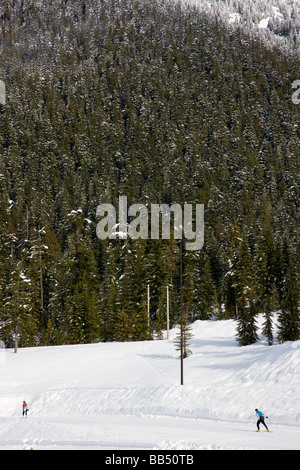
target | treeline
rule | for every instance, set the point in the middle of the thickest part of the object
(161, 104)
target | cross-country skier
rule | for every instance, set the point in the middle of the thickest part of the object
(25, 408)
(261, 419)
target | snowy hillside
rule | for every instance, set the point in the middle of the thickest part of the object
(278, 22)
(127, 395)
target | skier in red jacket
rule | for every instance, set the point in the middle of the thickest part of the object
(25, 408)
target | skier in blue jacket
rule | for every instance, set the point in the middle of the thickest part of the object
(261, 419)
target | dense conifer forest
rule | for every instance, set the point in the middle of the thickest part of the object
(164, 104)
(277, 22)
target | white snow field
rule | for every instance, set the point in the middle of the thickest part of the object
(127, 396)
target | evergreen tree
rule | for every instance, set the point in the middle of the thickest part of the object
(289, 317)
(184, 336)
(143, 331)
(265, 261)
(81, 285)
(124, 330)
(160, 323)
(19, 324)
(246, 296)
(109, 305)
(207, 305)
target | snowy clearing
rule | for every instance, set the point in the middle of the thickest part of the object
(126, 396)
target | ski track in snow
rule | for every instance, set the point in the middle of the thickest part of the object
(125, 396)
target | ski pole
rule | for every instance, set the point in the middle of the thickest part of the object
(273, 424)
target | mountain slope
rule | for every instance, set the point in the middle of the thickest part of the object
(277, 22)
(164, 105)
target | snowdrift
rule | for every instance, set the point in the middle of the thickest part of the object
(134, 389)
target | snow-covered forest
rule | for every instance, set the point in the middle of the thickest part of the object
(161, 102)
(278, 22)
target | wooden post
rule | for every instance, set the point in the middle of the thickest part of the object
(168, 314)
(181, 318)
(148, 303)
